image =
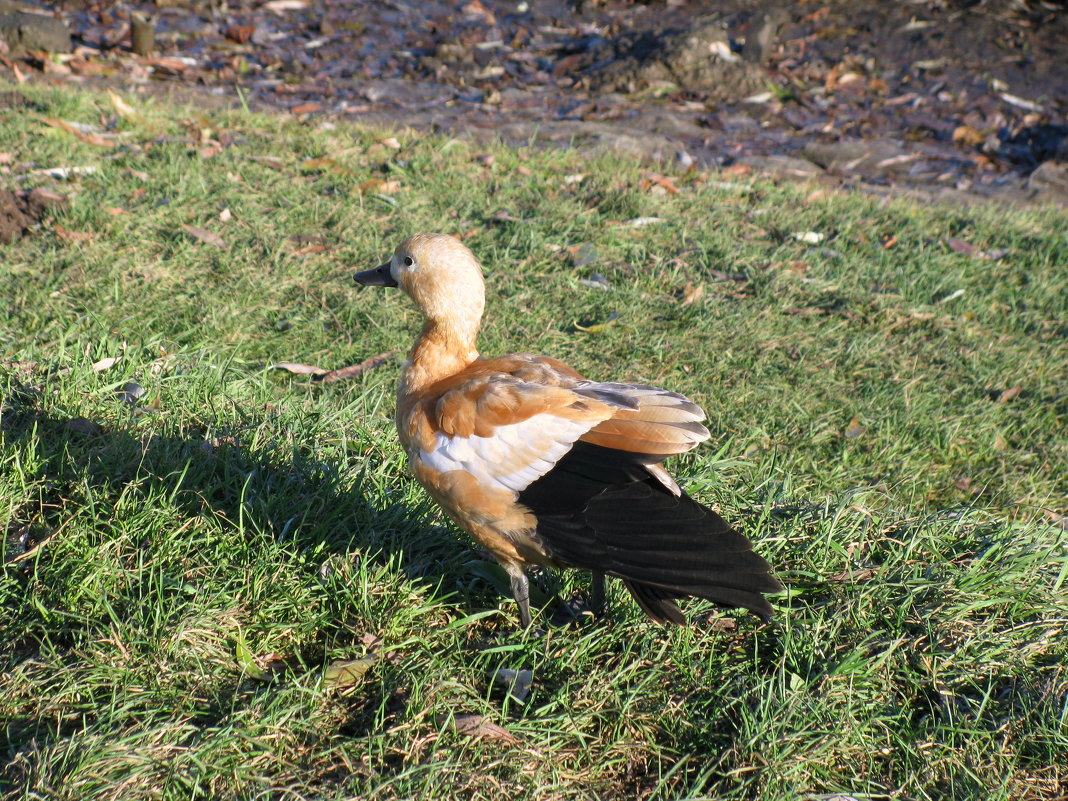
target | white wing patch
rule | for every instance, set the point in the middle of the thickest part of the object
(513, 458)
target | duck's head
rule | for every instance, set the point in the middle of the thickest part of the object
(439, 273)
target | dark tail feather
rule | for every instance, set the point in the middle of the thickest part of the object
(600, 510)
(656, 603)
(669, 547)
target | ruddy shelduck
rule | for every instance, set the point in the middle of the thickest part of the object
(545, 467)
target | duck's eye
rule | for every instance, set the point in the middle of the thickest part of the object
(408, 261)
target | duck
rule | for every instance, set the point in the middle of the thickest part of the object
(542, 466)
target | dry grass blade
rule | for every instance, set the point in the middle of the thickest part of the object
(30, 553)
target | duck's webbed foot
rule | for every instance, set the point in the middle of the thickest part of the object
(579, 608)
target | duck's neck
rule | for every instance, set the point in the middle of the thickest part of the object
(440, 350)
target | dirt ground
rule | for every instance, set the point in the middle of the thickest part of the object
(945, 99)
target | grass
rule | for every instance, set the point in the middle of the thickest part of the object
(179, 572)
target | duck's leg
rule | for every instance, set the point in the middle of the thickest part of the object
(597, 605)
(520, 591)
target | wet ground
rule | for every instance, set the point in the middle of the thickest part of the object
(932, 98)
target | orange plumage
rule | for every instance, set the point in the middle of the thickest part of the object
(545, 467)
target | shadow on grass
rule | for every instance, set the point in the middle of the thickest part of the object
(76, 474)
(291, 497)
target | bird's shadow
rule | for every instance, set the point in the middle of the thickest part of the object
(295, 496)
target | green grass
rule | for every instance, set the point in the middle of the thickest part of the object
(240, 513)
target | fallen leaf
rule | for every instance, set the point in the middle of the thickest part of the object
(518, 682)
(343, 673)
(299, 369)
(63, 173)
(239, 33)
(854, 429)
(130, 392)
(391, 142)
(889, 242)
(967, 135)
(124, 109)
(477, 726)
(719, 623)
(225, 215)
(371, 641)
(596, 281)
(574, 178)
(719, 275)
(598, 327)
(504, 216)
(1009, 394)
(962, 246)
(691, 294)
(273, 162)
(1020, 102)
(582, 255)
(809, 237)
(306, 108)
(655, 181)
(741, 170)
(205, 236)
(355, 370)
(262, 669)
(104, 364)
(73, 236)
(83, 425)
(285, 5)
(956, 293)
(853, 575)
(380, 185)
(88, 137)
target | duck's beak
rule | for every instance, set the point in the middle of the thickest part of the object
(379, 276)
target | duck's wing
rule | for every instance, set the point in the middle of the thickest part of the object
(509, 421)
(600, 509)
